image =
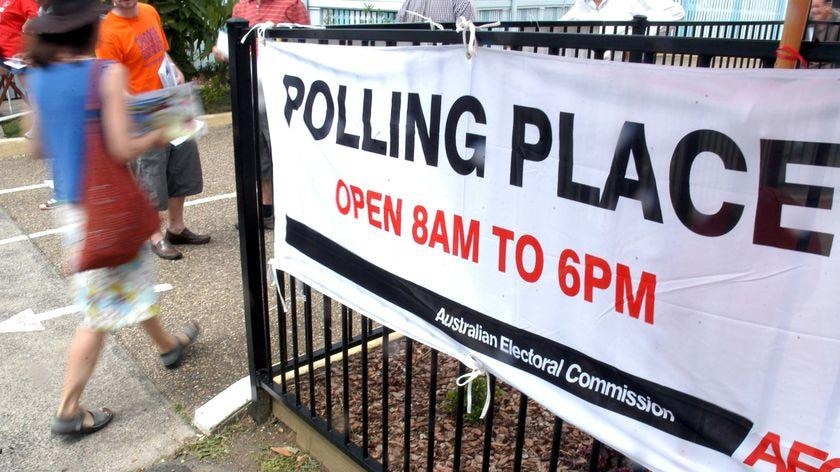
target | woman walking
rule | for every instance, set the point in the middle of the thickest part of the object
(77, 100)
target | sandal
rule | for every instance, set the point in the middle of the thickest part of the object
(173, 358)
(76, 425)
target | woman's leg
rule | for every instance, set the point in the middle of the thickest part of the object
(164, 340)
(81, 361)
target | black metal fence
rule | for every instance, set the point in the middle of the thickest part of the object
(385, 400)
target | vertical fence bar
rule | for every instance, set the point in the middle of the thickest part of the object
(595, 456)
(488, 426)
(345, 375)
(327, 306)
(409, 367)
(520, 432)
(281, 314)
(350, 325)
(556, 438)
(384, 398)
(307, 318)
(243, 93)
(295, 364)
(638, 28)
(459, 421)
(430, 448)
(365, 425)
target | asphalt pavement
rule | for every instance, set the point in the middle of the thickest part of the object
(206, 288)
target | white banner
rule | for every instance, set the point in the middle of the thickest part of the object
(646, 251)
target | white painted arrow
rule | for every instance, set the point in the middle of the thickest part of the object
(27, 320)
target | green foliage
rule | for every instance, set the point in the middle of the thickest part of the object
(191, 27)
(296, 463)
(479, 395)
(213, 447)
(215, 89)
(12, 128)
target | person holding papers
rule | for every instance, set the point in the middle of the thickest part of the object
(132, 34)
(82, 122)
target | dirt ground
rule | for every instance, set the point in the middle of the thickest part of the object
(242, 446)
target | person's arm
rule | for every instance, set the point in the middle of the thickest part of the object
(30, 10)
(116, 123)
(179, 76)
(573, 13)
(298, 13)
(236, 13)
(219, 56)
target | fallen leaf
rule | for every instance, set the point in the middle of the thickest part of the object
(282, 451)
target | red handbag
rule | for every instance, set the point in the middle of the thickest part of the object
(119, 217)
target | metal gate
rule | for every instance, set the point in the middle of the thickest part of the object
(343, 374)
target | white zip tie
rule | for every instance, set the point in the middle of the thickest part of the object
(466, 380)
(463, 25)
(277, 285)
(432, 23)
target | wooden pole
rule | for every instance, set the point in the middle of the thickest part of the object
(796, 17)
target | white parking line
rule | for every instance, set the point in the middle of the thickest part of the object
(215, 198)
(49, 232)
(35, 235)
(25, 188)
(27, 320)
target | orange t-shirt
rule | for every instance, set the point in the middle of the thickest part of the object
(138, 43)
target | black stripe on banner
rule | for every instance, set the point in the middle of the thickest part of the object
(596, 382)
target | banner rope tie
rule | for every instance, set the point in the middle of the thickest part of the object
(463, 25)
(260, 29)
(787, 53)
(432, 23)
(466, 380)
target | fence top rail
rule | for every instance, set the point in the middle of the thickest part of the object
(764, 49)
(573, 24)
(655, 44)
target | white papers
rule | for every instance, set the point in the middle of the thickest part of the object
(222, 44)
(197, 130)
(173, 108)
(16, 64)
(168, 73)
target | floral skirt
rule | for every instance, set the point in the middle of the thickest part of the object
(112, 297)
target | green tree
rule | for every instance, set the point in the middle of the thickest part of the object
(191, 27)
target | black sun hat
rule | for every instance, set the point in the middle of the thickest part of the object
(62, 16)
